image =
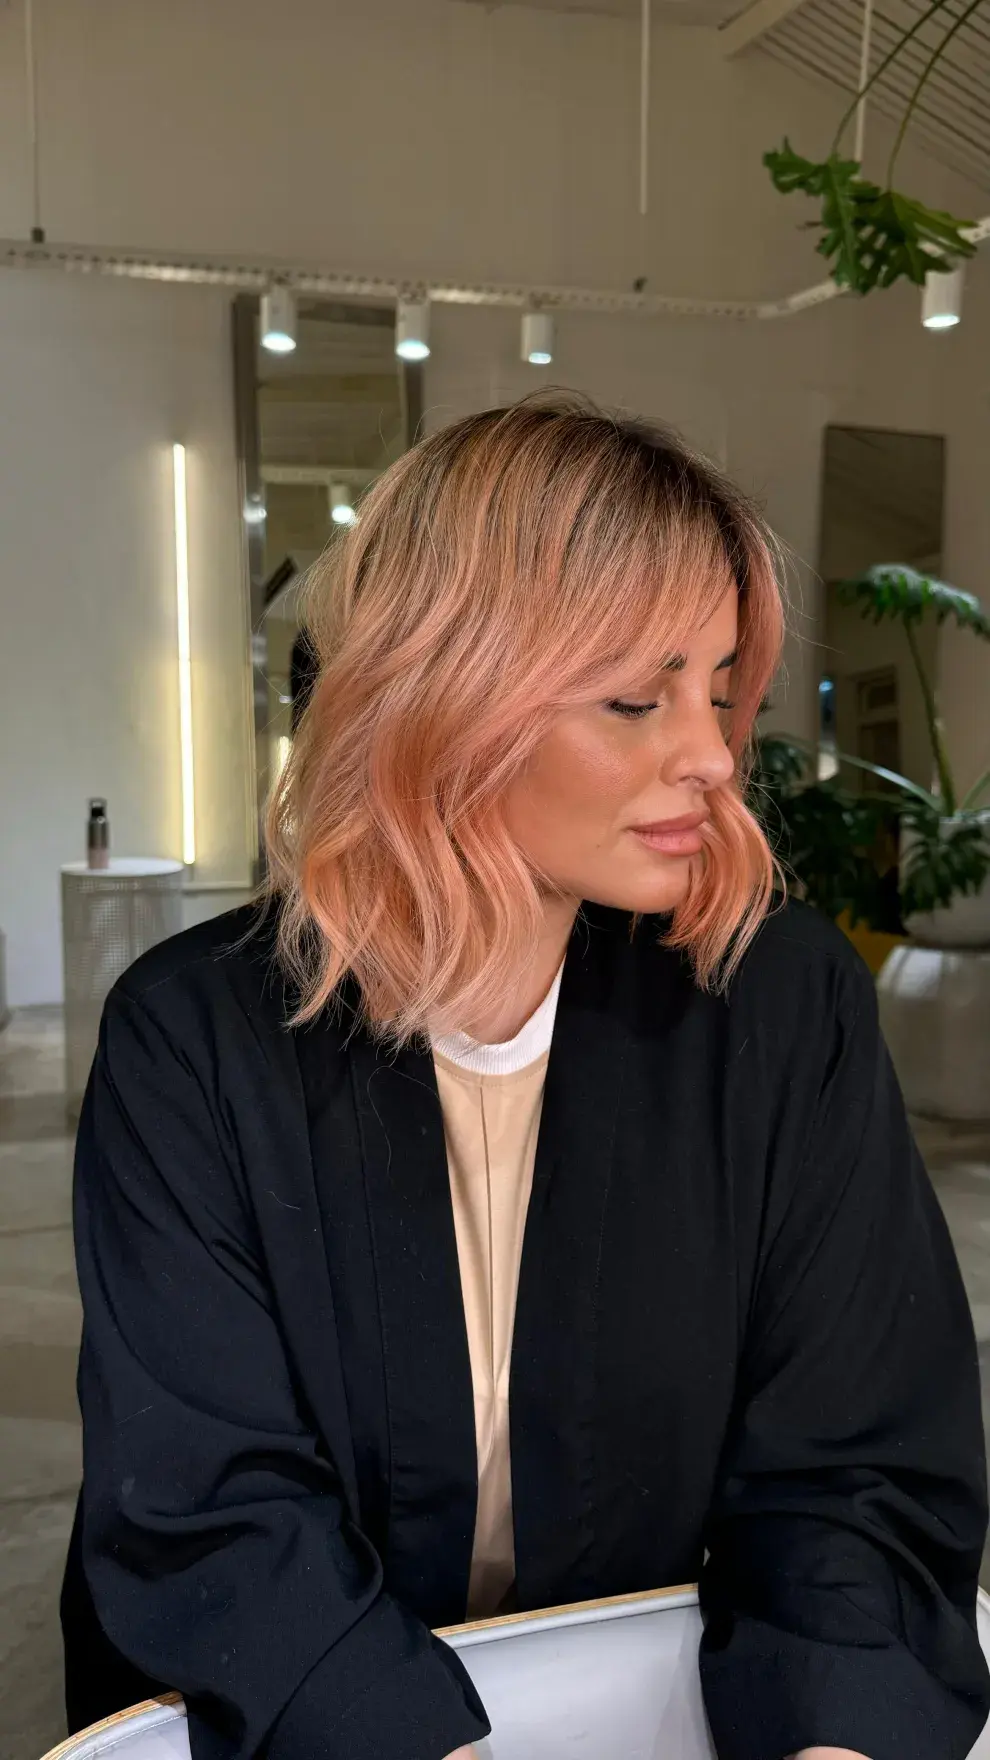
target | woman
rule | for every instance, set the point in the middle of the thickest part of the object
(398, 1308)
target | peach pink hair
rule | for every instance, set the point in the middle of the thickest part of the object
(502, 570)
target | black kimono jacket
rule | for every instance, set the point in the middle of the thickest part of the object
(740, 1330)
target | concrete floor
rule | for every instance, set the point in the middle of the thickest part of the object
(39, 1332)
(39, 1338)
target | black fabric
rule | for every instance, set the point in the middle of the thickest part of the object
(98, 1679)
(740, 1328)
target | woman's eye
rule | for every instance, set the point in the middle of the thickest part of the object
(632, 711)
(636, 711)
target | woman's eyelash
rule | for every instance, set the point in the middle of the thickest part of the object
(632, 711)
(636, 711)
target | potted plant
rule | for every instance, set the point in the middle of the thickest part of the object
(945, 845)
(874, 234)
(829, 839)
(934, 988)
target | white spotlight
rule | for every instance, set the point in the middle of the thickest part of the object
(941, 300)
(254, 511)
(537, 338)
(341, 505)
(412, 329)
(278, 320)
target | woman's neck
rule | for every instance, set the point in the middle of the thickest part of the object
(504, 1022)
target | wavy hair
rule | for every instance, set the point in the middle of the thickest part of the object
(501, 571)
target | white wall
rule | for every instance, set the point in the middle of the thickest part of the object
(439, 139)
(759, 400)
(98, 381)
(414, 136)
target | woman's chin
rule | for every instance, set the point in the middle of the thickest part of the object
(652, 894)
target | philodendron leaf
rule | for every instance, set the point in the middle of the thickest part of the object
(944, 863)
(871, 237)
(901, 238)
(845, 200)
(924, 796)
(893, 778)
(790, 172)
(833, 182)
(893, 590)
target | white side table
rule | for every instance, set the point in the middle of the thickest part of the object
(109, 917)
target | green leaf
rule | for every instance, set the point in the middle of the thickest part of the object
(903, 783)
(841, 239)
(893, 590)
(979, 787)
(833, 182)
(901, 237)
(790, 172)
(871, 237)
(944, 862)
(839, 846)
(827, 837)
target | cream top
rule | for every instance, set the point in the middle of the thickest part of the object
(492, 1100)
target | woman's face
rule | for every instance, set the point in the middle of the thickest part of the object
(646, 758)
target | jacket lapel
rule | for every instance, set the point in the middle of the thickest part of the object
(433, 1456)
(554, 1348)
(433, 1466)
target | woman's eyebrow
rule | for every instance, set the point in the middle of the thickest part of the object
(677, 662)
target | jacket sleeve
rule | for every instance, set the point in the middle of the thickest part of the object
(845, 1543)
(216, 1542)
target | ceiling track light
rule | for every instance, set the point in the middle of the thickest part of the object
(279, 320)
(412, 329)
(941, 299)
(537, 338)
(342, 509)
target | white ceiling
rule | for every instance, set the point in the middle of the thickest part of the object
(821, 39)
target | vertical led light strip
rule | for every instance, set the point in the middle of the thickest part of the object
(184, 656)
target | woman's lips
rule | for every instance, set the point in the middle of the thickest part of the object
(679, 837)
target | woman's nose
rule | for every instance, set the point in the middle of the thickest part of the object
(701, 755)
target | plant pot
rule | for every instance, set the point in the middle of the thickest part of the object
(963, 923)
(935, 1013)
(934, 1000)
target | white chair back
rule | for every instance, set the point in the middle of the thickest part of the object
(614, 1680)
(154, 1731)
(609, 1680)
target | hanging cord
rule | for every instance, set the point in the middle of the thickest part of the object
(644, 109)
(864, 74)
(31, 80)
(639, 285)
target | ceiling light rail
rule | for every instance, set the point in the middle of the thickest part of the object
(245, 275)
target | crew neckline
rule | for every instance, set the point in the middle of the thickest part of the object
(531, 1042)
